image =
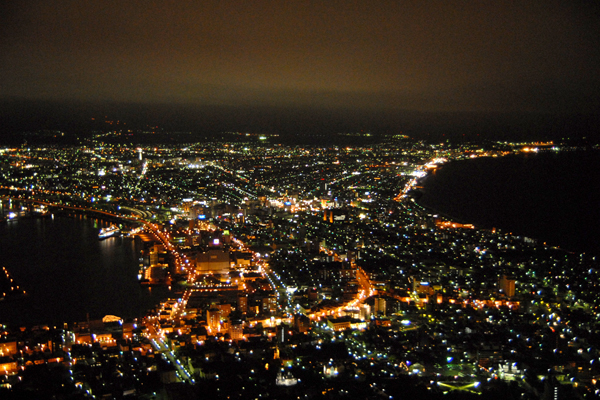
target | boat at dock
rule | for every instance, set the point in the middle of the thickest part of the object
(108, 232)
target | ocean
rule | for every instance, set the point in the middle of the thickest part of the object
(550, 196)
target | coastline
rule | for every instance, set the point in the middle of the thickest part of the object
(525, 218)
(431, 210)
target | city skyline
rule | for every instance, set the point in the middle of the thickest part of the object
(289, 269)
(312, 199)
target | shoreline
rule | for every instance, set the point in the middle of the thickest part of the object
(430, 210)
(540, 237)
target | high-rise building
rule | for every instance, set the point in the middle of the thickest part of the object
(269, 304)
(236, 330)
(242, 305)
(506, 286)
(365, 312)
(213, 319)
(379, 306)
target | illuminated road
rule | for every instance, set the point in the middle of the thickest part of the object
(283, 299)
(366, 290)
(161, 347)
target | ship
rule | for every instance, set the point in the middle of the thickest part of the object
(40, 210)
(108, 232)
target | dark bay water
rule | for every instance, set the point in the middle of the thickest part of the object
(68, 273)
(554, 197)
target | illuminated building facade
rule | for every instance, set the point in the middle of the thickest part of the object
(214, 261)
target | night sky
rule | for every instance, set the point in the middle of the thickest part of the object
(428, 56)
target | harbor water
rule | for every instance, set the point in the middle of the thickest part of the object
(68, 273)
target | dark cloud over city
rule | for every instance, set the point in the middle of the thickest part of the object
(383, 56)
